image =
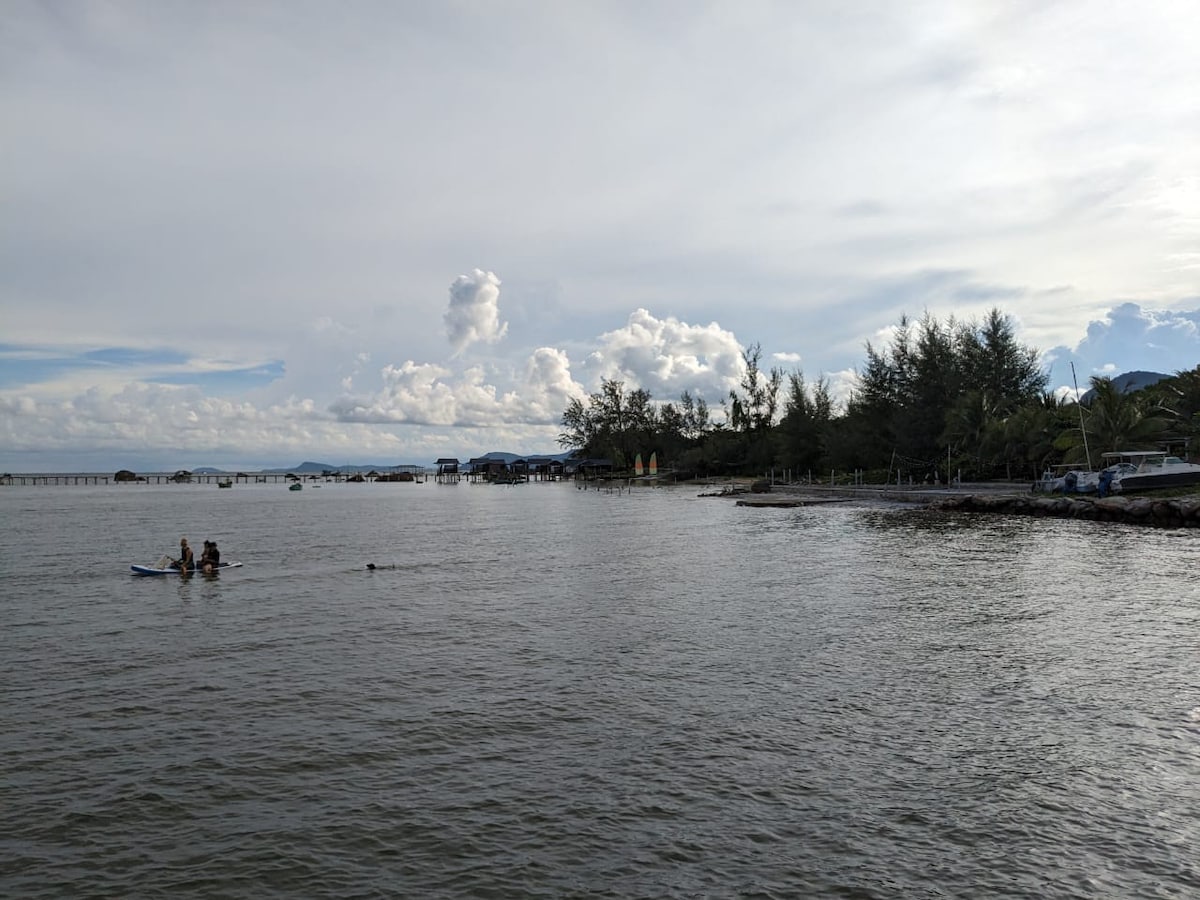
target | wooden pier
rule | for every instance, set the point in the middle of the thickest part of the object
(204, 478)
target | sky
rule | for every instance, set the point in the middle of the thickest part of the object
(247, 235)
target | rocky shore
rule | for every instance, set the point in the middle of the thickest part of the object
(1175, 512)
(1162, 512)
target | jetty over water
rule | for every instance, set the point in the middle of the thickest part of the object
(205, 478)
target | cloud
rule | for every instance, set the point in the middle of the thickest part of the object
(44, 370)
(1129, 333)
(474, 311)
(146, 418)
(664, 356)
(1130, 337)
(430, 394)
(286, 192)
(667, 357)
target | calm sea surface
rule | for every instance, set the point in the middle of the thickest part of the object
(563, 693)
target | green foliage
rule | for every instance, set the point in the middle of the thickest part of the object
(1115, 421)
(1178, 402)
(617, 425)
(939, 386)
(752, 412)
(803, 432)
(964, 390)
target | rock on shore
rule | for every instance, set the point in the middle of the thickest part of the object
(1176, 512)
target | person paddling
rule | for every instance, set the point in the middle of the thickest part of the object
(187, 560)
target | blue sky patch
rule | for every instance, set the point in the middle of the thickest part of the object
(30, 365)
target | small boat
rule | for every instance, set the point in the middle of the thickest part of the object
(157, 570)
(225, 484)
(1068, 480)
(1145, 470)
(295, 486)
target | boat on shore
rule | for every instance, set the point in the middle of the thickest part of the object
(1146, 470)
(1068, 480)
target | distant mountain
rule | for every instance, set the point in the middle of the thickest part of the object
(316, 468)
(1128, 383)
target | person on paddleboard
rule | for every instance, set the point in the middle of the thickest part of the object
(210, 559)
(187, 560)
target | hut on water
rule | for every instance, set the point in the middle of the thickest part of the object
(447, 470)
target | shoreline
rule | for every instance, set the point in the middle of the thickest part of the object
(1157, 511)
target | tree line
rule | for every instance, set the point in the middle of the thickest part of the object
(939, 400)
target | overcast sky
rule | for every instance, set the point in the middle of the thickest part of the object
(250, 234)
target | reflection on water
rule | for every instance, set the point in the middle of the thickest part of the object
(557, 693)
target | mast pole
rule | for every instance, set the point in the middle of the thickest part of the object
(1079, 406)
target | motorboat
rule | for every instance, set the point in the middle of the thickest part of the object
(1071, 480)
(1068, 480)
(1145, 470)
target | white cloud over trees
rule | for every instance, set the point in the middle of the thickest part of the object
(668, 356)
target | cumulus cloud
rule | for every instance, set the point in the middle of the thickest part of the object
(1130, 337)
(429, 394)
(667, 357)
(664, 356)
(1130, 333)
(842, 384)
(474, 311)
(179, 426)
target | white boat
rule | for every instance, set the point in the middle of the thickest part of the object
(1144, 470)
(1068, 480)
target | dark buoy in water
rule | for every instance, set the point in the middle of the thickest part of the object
(371, 566)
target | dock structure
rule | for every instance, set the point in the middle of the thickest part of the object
(9, 478)
(499, 470)
(541, 468)
(592, 469)
(485, 469)
(221, 479)
(149, 478)
(447, 470)
(490, 469)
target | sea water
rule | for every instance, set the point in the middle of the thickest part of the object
(541, 691)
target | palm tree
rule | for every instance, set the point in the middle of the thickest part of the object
(1116, 421)
(1028, 435)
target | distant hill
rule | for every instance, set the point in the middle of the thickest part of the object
(1128, 383)
(316, 468)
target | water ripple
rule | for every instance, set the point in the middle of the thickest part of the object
(575, 694)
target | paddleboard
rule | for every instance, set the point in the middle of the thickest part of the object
(153, 570)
